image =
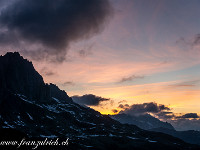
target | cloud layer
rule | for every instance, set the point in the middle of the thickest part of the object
(130, 78)
(187, 121)
(52, 25)
(89, 99)
(136, 109)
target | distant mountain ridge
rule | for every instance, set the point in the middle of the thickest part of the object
(151, 123)
(29, 107)
(145, 121)
(189, 136)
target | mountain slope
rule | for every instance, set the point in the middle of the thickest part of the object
(29, 106)
(84, 126)
(143, 121)
(150, 123)
(189, 136)
(18, 75)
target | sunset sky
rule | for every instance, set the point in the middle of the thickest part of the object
(147, 51)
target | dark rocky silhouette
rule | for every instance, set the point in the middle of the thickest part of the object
(18, 75)
(59, 94)
(189, 136)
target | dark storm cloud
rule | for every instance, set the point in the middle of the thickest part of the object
(131, 78)
(4, 3)
(166, 115)
(52, 24)
(189, 115)
(89, 99)
(186, 124)
(145, 108)
(188, 121)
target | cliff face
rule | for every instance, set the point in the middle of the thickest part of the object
(17, 75)
(59, 94)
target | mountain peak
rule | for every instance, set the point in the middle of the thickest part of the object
(14, 58)
(145, 121)
(12, 54)
(19, 76)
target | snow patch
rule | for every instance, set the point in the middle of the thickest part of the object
(152, 141)
(26, 100)
(6, 123)
(50, 136)
(133, 138)
(71, 112)
(30, 116)
(51, 108)
(49, 117)
(55, 99)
